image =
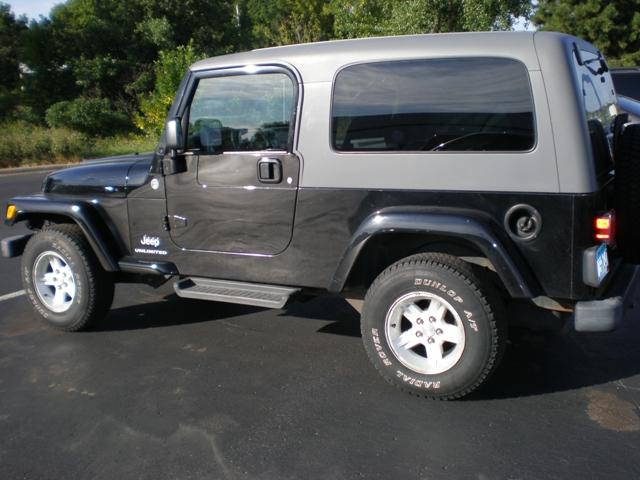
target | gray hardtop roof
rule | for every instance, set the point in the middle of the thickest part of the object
(319, 61)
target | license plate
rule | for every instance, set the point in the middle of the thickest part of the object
(602, 262)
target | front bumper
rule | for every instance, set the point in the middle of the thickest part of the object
(606, 313)
(14, 246)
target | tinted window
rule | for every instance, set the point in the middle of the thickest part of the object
(598, 99)
(453, 104)
(241, 113)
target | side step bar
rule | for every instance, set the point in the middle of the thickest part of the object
(255, 294)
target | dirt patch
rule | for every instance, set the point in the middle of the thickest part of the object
(613, 413)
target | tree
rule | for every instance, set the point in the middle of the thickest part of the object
(105, 49)
(612, 25)
(10, 31)
(170, 68)
(283, 22)
(364, 18)
(48, 79)
(212, 25)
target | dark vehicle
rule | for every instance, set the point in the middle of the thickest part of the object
(436, 181)
(627, 82)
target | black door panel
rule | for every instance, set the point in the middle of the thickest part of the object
(219, 204)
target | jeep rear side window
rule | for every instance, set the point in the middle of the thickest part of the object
(241, 113)
(599, 108)
(447, 104)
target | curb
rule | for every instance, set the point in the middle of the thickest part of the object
(34, 169)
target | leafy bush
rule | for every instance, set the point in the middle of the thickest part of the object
(23, 143)
(23, 113)
(94, 116)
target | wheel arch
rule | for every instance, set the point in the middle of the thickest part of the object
(388, 236)
(99, 233)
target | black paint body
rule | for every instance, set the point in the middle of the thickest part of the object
(219, 204)
(328, 227)
(308, 237)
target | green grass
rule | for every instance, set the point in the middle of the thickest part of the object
(120, 145)
(23, 144)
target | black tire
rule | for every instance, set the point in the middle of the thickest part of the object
(451, 282)
(627, 193)
(93, 287)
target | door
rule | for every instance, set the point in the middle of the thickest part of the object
(236, 191)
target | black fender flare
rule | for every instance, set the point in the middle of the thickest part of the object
(508, 263)
(99, 234)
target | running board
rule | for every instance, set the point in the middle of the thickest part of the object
(255, 294)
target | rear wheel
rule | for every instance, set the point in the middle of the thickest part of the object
(429, 328)
(64, 280)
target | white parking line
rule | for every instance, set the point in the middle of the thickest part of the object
(9, 296)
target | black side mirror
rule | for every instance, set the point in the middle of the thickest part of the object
(173, 135)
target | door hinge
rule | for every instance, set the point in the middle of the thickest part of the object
(166, 226)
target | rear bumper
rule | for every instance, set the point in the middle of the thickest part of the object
(606, 314)
(14, 246)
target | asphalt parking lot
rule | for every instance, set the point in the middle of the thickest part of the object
(168, 388)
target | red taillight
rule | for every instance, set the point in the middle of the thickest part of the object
(605, 228)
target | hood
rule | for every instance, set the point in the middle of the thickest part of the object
(111, 175)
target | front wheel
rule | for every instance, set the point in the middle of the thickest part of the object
(430, 329)
(64, 280)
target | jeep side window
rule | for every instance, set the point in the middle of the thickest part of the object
(446, 104)
(598, 100)
(241, 113)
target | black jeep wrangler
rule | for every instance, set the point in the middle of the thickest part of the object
(433, 180)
